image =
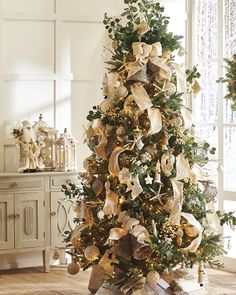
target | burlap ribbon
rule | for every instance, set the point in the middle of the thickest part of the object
(176, 207)
(129, 225)
(196, 242)
(111, 201)
(113, 166)
(100, 149)
(183, 171)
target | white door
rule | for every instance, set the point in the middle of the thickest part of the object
(29, 220)
(7, 221)
(213, 38)
(62, 217)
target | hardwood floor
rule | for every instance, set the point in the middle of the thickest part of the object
(59, 282)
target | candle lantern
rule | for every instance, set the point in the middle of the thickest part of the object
(48, 136)
(66, 152)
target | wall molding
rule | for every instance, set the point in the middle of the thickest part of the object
(76, 76)
(83, 18)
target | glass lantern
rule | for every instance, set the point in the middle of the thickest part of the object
(66, 152)
(48, 136)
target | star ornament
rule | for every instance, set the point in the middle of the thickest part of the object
(148, 179)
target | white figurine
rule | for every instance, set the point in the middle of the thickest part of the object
(30, 158)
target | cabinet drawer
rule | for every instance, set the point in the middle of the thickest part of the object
(28, 183)
(57, 181)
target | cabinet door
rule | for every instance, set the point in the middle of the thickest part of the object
(62, 215)
(6, 221)
(29, 220)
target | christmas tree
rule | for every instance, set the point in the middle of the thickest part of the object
(145, 201)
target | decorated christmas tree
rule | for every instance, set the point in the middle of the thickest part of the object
(145, 203)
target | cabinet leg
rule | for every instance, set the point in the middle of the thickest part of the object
(46, 259)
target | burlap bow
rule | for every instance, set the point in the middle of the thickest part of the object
(129, 225)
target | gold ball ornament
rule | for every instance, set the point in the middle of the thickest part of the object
(121, 91)
(73, 268)
(153, 277)
(191, 231)
(91, 253)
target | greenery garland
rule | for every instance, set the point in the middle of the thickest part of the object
(230, 79)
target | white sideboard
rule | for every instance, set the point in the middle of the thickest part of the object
(34, 213)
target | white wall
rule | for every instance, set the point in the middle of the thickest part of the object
(51, 63)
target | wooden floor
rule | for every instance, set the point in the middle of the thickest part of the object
(59, 282)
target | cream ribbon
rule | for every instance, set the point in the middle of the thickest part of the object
(187, 117)
(197, 241)
(100, 149)
(182, 171)
(182, 167)
(143, 53)
(111, 201)
(176, 206)
(113, 166)
(129, 225)
(181, 79)
(154, 115)
(141, 97)
(109, 84)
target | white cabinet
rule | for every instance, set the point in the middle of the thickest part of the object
(22, 220)
(34, 213)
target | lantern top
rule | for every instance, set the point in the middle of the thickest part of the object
(66, 138)
(41, 126)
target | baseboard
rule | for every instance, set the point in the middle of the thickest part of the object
(20, 260)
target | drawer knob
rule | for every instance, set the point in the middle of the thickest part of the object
(53, 213)
(13, 185)
(17, 215)
(11, 216)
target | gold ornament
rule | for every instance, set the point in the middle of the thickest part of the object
(191, 231)
(196, 87)
(91, 253)
(121, 91)
(153, 277)
(73, 268)
(121, 200)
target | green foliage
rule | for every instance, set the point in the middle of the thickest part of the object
(124, 30)
(192, 74)
(230, 80)
(226, 218)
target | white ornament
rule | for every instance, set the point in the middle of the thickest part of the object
(100, 214)
(148, 179)
(153, 277)
(91, 253)
(169, 88)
